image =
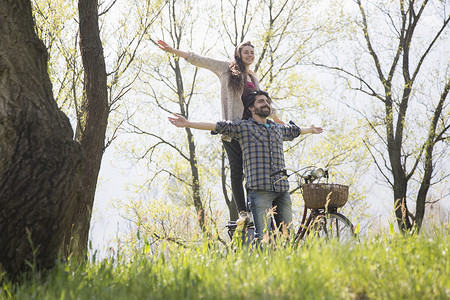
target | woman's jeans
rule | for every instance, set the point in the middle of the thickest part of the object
(234, 153)
(261, 203)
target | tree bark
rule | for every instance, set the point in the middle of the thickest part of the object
(198, 204)
(93, 126)
(40, 164)
(400, 187)
(196, 197)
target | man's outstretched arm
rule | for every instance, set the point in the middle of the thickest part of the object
(181, 121)
(312, 129)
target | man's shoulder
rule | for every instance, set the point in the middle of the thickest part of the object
(290, 124)
(229, 122)
(240, 123)
(274, 124)
(247, 121)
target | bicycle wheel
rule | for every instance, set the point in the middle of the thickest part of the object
(334, 226)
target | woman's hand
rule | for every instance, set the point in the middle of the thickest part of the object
(164, 46)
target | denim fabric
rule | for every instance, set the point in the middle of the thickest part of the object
(234, 154)
(260, 202)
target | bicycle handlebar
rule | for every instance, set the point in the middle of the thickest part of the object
(284, 171)
(309, 173)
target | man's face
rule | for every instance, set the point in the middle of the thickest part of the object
(262, 106)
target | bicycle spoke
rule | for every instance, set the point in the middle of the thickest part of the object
(339, 227)
(332, 226)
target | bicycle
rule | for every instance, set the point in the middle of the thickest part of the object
(323, 201)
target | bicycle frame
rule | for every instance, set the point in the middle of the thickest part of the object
(317, 217)
(325, 222)
(305, 223)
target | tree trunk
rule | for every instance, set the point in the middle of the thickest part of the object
(433, 136)
(195, 180)
(197, 200)
(40, 164)
(400, 187)
(94, 123)
(399, 176)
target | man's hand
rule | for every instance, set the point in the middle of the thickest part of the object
(179, 121)
(316, 130)
(312, 129)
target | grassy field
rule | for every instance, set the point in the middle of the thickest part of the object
(384, 267)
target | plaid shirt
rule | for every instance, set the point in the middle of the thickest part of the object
(262, 150)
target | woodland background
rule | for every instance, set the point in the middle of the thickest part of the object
(313, 59)
(373, 74)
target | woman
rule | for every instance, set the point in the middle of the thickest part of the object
(236, 79)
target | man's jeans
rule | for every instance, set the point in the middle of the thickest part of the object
(261, 202)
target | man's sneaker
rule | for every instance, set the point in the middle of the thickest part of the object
(244, 218)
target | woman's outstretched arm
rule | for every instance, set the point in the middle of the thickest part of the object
(166, 47)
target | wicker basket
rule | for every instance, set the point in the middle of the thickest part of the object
(322, 195)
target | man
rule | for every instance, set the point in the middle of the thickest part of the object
(261, 141)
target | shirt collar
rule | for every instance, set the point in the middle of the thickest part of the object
(268, 121)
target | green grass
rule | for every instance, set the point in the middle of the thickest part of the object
(385, 267)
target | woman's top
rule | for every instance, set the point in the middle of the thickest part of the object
(249, 85)
(231, 102)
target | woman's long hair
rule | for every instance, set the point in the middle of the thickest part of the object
(238, 72)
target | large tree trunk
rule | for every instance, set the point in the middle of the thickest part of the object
(399, 188)
(94, 123)
(40, 164)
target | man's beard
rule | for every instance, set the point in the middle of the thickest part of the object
(262, 113)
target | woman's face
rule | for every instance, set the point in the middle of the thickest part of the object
(247, 55)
